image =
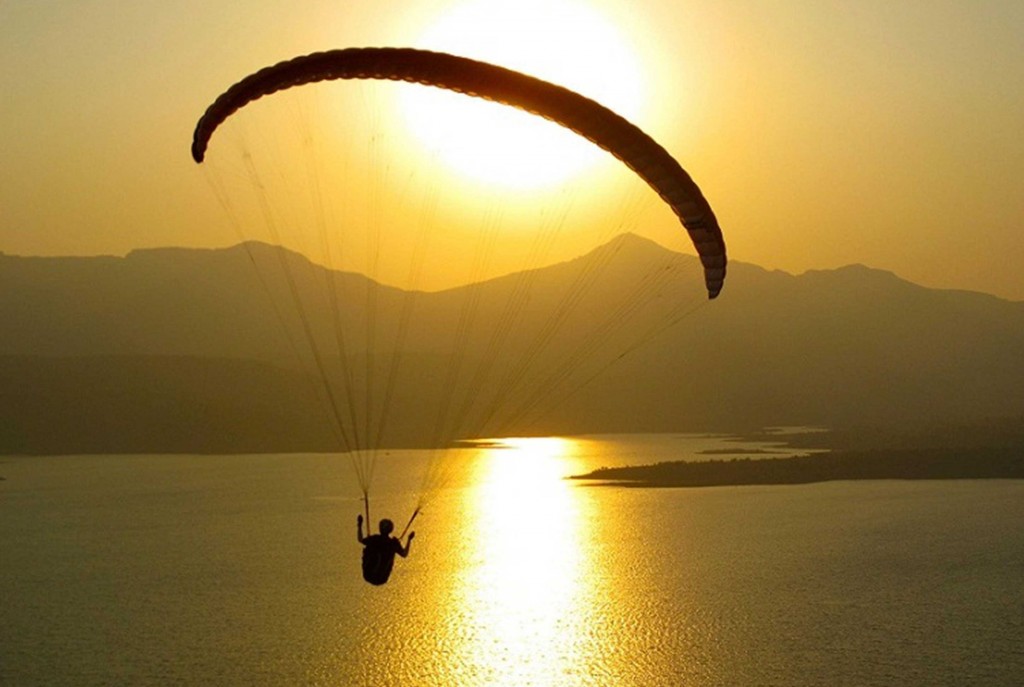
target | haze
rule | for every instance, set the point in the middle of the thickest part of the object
(823, 135)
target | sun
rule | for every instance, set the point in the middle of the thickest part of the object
(561, 41)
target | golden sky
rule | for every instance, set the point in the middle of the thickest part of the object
(824, 134)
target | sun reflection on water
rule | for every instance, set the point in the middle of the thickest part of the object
(524, 592)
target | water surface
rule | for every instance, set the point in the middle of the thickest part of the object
(244, 570)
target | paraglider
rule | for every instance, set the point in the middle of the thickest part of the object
(379, 550)
(587, 118)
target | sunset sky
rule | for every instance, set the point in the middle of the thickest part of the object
(823, 134)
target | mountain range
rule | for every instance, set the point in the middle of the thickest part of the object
(190, 350)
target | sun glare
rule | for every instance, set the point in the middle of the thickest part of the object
(527, 472)
(532, 568)
(564, 42)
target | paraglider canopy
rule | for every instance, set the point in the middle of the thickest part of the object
(479, 79)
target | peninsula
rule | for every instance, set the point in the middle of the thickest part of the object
(1003, 462)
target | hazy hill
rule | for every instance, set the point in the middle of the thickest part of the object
(194, 350)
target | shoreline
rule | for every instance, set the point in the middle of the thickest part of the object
(906, 464)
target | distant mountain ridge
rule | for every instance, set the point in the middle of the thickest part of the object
(183, 349)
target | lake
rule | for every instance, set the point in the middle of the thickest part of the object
(244, 570)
